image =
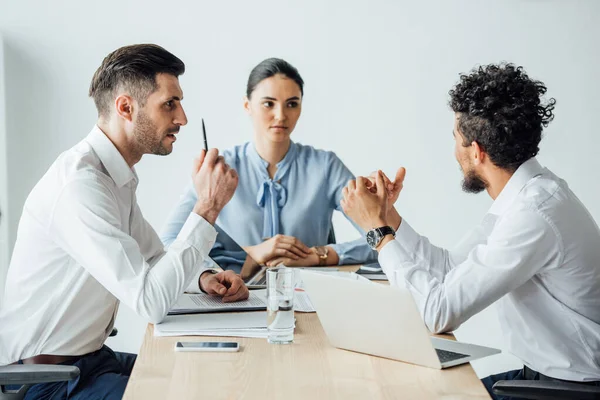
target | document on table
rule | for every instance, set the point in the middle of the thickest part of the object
(253, 324)
(302, 302)
(204, 303)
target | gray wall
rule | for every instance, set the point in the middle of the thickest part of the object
(4, 222)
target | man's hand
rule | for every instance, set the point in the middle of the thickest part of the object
(215, 183)
(226, 284)
(279, 246)
(393, 188)
(365, 206)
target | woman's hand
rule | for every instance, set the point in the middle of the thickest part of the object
(279, 246)
(309, 261)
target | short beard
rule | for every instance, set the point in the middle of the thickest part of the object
(145, 134)
(473, 183)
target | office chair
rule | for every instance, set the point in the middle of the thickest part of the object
(546, 390)
(26, 375)
(331, 236)
(31, 374)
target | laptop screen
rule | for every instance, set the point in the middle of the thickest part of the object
(236, 259)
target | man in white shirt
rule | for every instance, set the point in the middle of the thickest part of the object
(536, 253)
(83, 245)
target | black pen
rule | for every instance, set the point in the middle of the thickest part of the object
(204, 134)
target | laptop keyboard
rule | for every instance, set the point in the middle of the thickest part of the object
(446, 356)
(262, 280)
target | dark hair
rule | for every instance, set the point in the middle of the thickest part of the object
(501, 109)
(133, 68)
(269, 68)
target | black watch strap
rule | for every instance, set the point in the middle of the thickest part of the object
(386, 230)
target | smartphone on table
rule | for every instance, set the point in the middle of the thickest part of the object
(207, 346)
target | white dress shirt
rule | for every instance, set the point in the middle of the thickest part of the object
(82, 247)
(537, 253)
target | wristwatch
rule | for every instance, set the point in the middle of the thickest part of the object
(376, 235)
(322, 253)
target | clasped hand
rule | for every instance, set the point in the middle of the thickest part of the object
(368, 201)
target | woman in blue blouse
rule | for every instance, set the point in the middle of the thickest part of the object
(287, 192)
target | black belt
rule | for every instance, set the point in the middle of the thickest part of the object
(50, 359)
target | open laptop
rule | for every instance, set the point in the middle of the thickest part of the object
(236, 259)
(383, 321)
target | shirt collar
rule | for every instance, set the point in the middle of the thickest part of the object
(526, 171)
(282, 166)
(113, 161)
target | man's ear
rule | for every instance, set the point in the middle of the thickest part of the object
(124, 105)
(477, 153)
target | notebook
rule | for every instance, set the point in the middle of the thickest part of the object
(222, 324)
(204, 303)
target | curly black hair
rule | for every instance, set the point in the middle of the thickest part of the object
(501, 109)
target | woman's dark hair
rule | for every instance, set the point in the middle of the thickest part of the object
(269, 68)
(133, 68)
(501, 109)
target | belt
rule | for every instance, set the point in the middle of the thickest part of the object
(49, 359)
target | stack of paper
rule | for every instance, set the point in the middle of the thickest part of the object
(372, 272)
(302, 302)
(252, 324)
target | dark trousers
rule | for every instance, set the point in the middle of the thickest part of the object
(104, 375)
(519, 375)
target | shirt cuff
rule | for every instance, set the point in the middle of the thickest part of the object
(398, 251)
(194, 286)
(201, 235)
(408, 240)
(339, 251)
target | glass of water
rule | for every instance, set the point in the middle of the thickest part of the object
(280, 305)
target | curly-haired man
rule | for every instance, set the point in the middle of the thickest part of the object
(536, 254)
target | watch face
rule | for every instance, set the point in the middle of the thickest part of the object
(373, 238)
(321, 251)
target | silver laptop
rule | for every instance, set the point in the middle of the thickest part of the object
(383, 321)
(236, 259)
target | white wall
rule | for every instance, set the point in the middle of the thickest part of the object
(377, 75)
(4, 240)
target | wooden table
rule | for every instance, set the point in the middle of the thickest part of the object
(310, 368)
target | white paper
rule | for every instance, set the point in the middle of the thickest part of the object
(191, 303)
(371, 267)
(302, 302)
(258, 333)
(251, 324)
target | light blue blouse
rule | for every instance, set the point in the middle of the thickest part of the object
(299, 201)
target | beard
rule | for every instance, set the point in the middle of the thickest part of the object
(147, 138)
(472, 182)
